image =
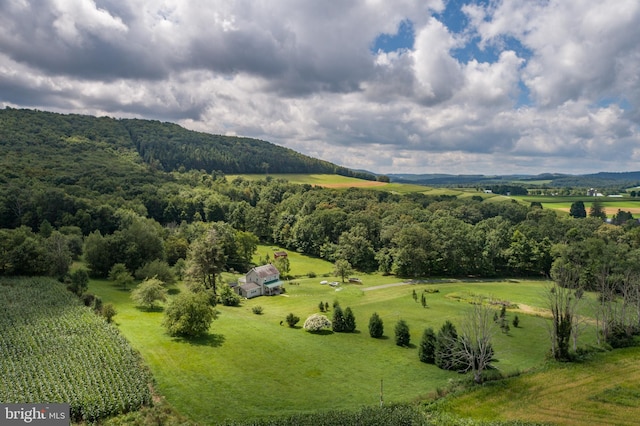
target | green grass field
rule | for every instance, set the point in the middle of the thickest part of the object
(563, 204)
(337, 181)
(602, 391)
(252, 366)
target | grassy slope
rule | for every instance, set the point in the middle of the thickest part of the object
(251, 366)
(604, 390)
(337, 181)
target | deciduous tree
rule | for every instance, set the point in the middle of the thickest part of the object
(342, 268)
(78, 281)
(474, 349)
(189, 314)
(206, 259)
(149, 292)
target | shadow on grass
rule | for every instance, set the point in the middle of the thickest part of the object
(150, 309)
(322, 332)
(209, 339)
(295, 327)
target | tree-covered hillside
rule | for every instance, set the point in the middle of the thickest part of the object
(165, 146)
(171, 147)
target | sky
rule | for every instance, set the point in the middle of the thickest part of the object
(428, 86)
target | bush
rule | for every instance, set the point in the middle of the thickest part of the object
(109, 311)
(316, 322)
(97, 304)
(376, 327)
(403, 338)
(228, 297)
(88, 299)
(257, 310)
(311, 274)
(292, 320)
(516, 322)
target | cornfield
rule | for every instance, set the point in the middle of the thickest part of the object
(55, 350)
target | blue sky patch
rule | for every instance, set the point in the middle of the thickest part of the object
(402, 39)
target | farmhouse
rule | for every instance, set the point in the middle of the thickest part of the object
(261, 281)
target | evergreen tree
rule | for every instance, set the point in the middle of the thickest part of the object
(349, 320)
(376, 326)
(403, 338)
(427, 348)
(445, 347)
(597, 210)
(423, 300)
(516, 321)
(337, 324)
(292, 320)
(321, 306)
(577, 210)
(415, 296)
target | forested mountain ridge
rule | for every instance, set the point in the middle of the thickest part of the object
(619, 180)
(164, 146)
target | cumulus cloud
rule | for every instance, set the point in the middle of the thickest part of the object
(523, 86)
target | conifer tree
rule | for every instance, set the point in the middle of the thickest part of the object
(376, 326)
(349, 320)
(337, 323)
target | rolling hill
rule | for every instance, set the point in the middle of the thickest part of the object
(163, 146)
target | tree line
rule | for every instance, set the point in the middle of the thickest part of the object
(410, 235)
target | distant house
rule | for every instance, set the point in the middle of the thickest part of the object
(261, 281)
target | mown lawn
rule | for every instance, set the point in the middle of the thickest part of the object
(252, 366)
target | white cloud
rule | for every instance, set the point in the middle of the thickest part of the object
(302, 74)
